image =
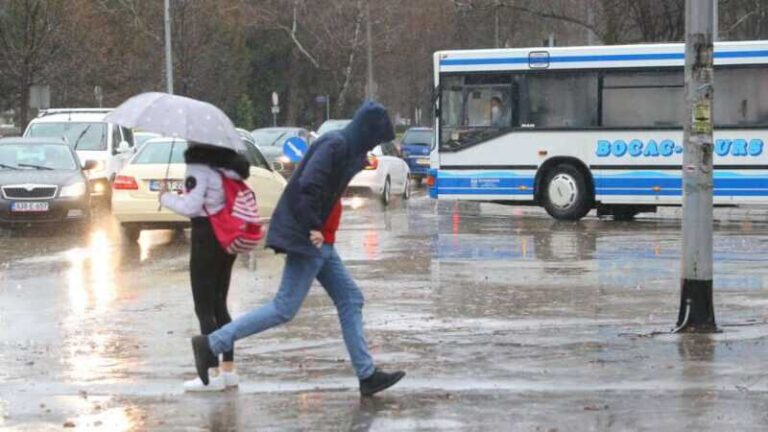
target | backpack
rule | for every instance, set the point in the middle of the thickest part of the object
(237, 225)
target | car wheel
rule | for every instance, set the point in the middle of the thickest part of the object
(565, 193)
(407, 190)
(386, 193)
(130, 232)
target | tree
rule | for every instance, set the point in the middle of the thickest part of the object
(244, 113)
(28, 46)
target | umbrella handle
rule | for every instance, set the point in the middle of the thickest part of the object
(167, 170)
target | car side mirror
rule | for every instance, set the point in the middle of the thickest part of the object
(124, 147)
(89, 165)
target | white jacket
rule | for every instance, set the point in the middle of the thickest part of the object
(203, 192)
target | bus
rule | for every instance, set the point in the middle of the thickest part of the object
(574, 129)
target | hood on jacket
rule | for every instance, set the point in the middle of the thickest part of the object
(218, 158)
(370, 127)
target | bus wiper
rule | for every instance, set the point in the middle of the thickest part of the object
(40, 167)
(79, 137)
(2, 165)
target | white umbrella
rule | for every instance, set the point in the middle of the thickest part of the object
(178, 117)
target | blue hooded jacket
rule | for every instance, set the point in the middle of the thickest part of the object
(322, 177)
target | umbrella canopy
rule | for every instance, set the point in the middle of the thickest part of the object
(178, 117)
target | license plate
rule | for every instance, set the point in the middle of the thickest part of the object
(423, 161)
(29, 206)
(174, 185)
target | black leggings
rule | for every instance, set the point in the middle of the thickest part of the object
(210, 268)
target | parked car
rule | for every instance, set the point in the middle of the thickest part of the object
(85, 130)
(271, 140)
(386, 175)
(331, 125)
(135, 200)
(415, 147)
(42, 180)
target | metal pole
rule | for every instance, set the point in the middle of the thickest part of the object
(496, 24)
(696, 307)
(370, 91)
(168, 50)
(328, 107)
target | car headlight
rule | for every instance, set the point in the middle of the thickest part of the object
(73, 191)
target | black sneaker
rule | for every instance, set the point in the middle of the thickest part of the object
(204, 357)
(379, 381)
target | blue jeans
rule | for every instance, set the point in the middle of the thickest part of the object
(299, 273)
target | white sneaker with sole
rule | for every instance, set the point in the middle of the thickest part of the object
(215, 383)
(231, 379)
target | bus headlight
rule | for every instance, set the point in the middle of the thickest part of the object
(74, 190)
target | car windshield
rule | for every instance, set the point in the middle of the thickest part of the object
(272, 137)
(423, 137)
(25, 156)
(79, 135)
(140, 138)
(157, 152)
(331, 125)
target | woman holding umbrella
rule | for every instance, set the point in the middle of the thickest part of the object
(210, 266)
(212, 152)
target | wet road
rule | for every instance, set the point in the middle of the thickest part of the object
(503, 318)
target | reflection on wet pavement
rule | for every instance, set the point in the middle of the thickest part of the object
(501, 317)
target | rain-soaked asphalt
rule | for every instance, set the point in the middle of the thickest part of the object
(503, 318)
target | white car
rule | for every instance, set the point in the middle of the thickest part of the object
(385, 176)
(135, 201)
(84, 129)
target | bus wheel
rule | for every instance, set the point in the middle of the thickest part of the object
(565, 193)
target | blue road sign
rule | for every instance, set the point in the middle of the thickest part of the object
(295, 148)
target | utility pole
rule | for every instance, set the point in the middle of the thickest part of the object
(168, 50)
(370, 89)
(697, 312)
(496, 7)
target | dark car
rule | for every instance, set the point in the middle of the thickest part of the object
(42, 180)
(415, 147)
(271, 141)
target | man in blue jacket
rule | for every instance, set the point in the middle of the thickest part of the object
(303, 227)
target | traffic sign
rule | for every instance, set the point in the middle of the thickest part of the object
(295, 148)
(321, 99)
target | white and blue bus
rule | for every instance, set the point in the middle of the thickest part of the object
(581, 128)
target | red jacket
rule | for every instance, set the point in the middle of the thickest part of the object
(332, 224)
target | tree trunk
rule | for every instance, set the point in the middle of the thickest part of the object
(341, 100)
(294, 91)
(24, 90)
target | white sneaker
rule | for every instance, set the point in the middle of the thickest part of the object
(215, 383)
(231, 379)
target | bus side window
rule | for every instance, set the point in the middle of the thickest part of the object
(742, 96)
(559, 100)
